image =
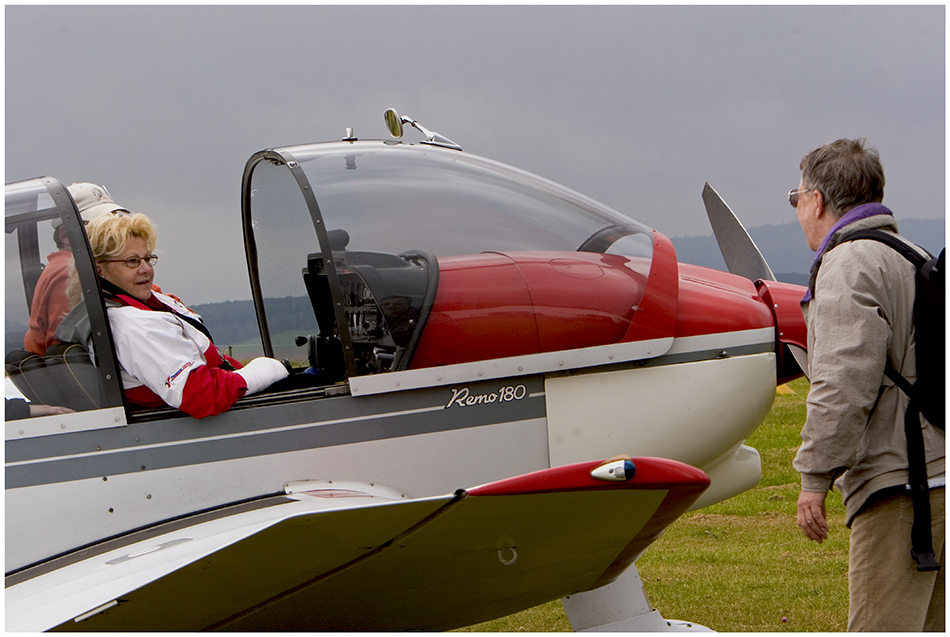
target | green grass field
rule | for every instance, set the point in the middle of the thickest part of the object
(742, 564)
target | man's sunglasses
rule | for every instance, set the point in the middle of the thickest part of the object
(793, 196)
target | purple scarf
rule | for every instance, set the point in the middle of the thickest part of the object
(857, 213)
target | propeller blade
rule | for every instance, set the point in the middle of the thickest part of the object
(740, 253)
(801, 357)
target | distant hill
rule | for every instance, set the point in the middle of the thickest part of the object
(234, 322)
(784, 247)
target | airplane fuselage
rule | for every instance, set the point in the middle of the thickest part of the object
(486, 324)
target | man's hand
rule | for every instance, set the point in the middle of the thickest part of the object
(811, 515)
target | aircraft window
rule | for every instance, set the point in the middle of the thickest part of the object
(637, 244)
(284, 236)
(449, 203)
(41, 289)
(387, 213)
(384, 296)
(17, 312)
(26, 197)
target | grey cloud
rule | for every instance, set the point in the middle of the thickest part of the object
(634, 106)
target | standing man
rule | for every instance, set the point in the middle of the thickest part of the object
(859, 313)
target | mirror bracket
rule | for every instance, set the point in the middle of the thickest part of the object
(394, 122)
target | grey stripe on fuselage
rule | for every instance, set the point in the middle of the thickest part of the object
(265, 430)
(281, 428)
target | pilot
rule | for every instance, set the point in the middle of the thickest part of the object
(166, 353)
(50, 304)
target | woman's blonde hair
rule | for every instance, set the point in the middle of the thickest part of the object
(110, 234)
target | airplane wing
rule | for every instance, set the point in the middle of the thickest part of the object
(348, 556)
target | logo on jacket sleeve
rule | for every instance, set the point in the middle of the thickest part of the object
(168, 381)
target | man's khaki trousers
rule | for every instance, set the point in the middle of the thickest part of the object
(887, 593)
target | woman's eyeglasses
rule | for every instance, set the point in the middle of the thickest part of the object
(133, 262)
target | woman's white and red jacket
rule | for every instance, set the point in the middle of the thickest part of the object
(167, 357)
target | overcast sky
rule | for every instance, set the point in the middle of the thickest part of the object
(635, 106)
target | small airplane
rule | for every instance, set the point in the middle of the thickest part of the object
(509, 392)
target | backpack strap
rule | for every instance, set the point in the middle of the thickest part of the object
(920, 534)
(921, 542)
(891, 239)
(875, 234)
(917, 260)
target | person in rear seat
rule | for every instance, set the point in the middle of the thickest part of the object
(50, 303)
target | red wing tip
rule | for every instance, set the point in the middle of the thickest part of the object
(650, 473)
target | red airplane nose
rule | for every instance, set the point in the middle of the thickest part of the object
(784, 301)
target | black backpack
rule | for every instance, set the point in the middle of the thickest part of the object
(928, 393)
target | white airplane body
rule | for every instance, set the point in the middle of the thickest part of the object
(439, 465)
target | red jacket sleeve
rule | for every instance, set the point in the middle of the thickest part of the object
(210, 391)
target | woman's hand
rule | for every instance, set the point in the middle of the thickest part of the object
(261, 373)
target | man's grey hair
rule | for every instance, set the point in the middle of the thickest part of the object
(847, 172)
